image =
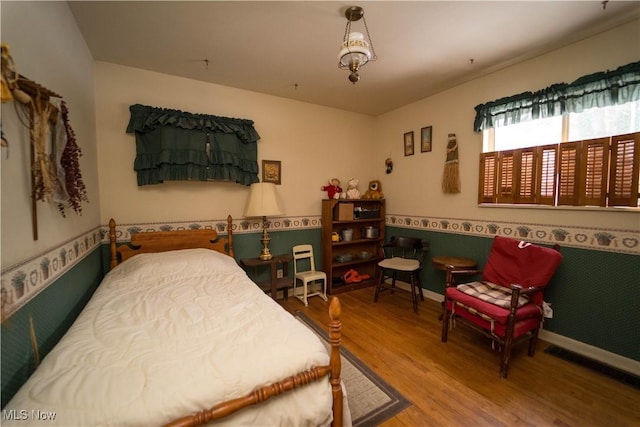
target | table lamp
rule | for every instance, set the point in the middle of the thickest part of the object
(263, 201)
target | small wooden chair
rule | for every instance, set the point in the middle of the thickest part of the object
(303, 256)
(403, 256)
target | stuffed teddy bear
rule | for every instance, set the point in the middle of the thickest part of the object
(352, 189)
(374, 191)
(333, 189)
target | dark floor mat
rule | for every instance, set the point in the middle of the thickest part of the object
(614, 373)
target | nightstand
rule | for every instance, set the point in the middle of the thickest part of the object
(274, 283)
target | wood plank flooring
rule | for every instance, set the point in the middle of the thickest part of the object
(458, 383)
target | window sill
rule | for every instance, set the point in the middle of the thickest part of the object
(562, 208)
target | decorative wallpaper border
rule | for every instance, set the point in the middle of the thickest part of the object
(600, 239)
(124, 231)
(23, 281)
(592, 238)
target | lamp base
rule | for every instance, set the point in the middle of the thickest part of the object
(265, 255)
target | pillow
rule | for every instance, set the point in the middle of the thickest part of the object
(491, 293)
(170, 263)
(514, 261)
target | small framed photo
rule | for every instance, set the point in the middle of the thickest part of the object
(425, 139)
(408, 143)
(272, 171)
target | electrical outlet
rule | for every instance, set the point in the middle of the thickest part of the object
(279, 273)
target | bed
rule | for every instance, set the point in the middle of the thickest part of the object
(178, 335)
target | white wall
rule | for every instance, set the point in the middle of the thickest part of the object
(47, 47)
(313, 143)
(414, 187)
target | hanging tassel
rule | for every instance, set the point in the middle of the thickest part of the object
(451, 176)
(6, 92)
(9, 76)
(34, 342)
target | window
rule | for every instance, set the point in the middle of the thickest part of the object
(525, 134)
(594, 171)
(591, 123)
(600, 122)
(526, 154)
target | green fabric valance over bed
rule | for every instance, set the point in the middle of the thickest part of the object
(175, 145)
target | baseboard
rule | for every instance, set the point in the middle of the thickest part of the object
(427, 293)
(432, 295)
(612, 359)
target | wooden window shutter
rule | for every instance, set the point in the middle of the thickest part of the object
(625, 170)
(569, 155)
(525, 162)
(507, 177)
(487, 181)
(547, 171)
(594, 165)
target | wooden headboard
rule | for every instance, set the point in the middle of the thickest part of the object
(162, 241)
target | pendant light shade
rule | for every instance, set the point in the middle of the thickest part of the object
(355, 50)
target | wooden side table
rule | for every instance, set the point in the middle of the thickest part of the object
(442, 262)
(274, 283)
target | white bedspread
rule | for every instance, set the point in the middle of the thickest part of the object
(169, 334)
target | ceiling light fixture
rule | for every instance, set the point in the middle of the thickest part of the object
(354, 50)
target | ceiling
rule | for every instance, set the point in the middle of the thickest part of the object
(290, 48)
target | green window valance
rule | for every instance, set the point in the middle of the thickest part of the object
(176, 145)
(601, 89)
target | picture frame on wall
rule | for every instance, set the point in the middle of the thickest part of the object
(408, 143)
(272, 171)
(425, 139)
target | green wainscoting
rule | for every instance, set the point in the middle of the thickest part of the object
(595, 299)
(53, 311)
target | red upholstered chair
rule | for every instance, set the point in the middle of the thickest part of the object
(506, 303)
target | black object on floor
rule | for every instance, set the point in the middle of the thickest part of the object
(614, 373)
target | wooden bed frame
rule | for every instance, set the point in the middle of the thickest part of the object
(160, 241)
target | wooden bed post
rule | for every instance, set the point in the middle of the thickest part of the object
(230, 234)
(112, 244)
(335, 324)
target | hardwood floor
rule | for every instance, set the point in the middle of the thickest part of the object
(458, 383)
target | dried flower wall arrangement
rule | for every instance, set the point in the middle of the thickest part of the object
(70, 162)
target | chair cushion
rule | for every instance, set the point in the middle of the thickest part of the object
(522, 326)
(493, 311)
(491, 293)
(401, 264)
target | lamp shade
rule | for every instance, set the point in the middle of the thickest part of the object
(263, 200)
(354, 52)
